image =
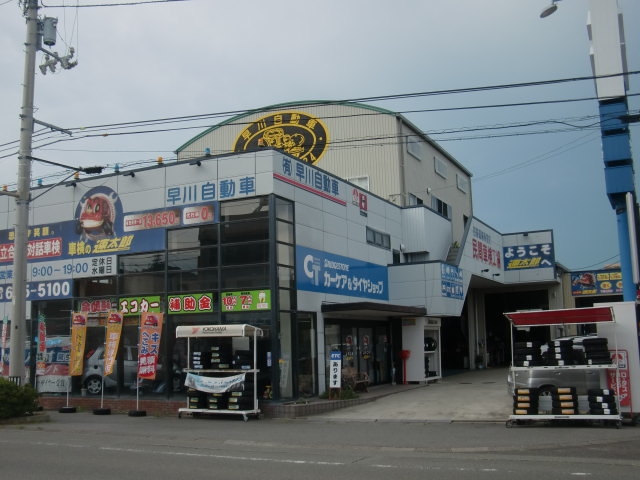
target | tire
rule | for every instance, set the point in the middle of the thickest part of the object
(93, 385)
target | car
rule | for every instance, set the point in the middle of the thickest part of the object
(94, 364)
(548, 378)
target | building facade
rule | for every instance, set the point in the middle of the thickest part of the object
(332, 227)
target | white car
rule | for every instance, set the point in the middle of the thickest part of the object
(94, 364)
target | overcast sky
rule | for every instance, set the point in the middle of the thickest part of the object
(161, 60)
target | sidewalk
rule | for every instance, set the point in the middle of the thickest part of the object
(473, 396)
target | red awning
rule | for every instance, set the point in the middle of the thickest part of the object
(538, 318)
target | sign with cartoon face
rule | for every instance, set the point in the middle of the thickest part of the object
(295, 133)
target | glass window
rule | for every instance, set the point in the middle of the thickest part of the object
(286, 277)
(147, 262)
(247, 277)
(236, 232)
(192, 237)
(250, 208)
(284, 232)
(203, 280)
(188, 260)
(144, 283)
(256, 252)
(284, 298)
(284, 209)
(286, 255)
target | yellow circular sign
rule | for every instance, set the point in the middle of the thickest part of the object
(295, 133)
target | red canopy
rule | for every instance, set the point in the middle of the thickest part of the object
(536, 318)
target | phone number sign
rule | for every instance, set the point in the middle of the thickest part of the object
(40, 291)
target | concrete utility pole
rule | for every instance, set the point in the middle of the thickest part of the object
(18, 315)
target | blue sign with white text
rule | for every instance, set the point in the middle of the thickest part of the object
(322, 272)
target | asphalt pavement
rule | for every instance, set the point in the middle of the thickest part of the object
(470, 396)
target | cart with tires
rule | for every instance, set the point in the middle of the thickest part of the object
(560, 381)
(222, 374)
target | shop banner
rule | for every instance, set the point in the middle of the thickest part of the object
(149, 345)
(114, 331)
(248, 301)
(78, 340)
(5, 324)
(41, 355)
(201, 383)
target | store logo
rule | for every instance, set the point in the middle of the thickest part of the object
(312, 269)
(295, 133)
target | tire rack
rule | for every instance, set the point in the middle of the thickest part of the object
(575, 316)
(222, 331)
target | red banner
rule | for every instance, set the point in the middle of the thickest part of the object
(149, 345)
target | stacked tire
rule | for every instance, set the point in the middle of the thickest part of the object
(241, 400)
(564, 401)
(596, 351)
(200, 360)
(527, 354)
(196, 399)
(525, 401)
(602, 401)
(217, 401)
(559, 353)
(221, 357)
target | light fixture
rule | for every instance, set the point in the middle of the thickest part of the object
(130, 174)
(196, 162)
(160, 161)
(550, 9)
(484, 270)
(495, 275)
(116, 168)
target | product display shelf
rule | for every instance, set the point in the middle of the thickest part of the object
(215, 391)
(528, 319)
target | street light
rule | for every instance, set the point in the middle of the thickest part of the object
(550, 9)
(609, 64)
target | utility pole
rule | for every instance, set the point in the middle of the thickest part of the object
(18, 315)
(23, 190)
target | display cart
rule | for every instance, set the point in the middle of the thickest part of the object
(547, 318)
(222, 376)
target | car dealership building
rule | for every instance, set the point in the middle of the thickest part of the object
(330, 226)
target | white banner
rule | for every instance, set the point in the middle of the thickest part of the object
(213, 384)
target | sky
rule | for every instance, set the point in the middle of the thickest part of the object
(148, 60)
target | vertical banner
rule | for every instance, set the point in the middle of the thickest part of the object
(41, 355)
(5, 324)
(335, 369)
(114, 331)
(149, 346)
(78, 340)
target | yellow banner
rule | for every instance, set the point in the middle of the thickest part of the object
(114, 331)
(78, 340)
(149, 346)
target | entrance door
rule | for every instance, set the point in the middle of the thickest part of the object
(366, 349)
